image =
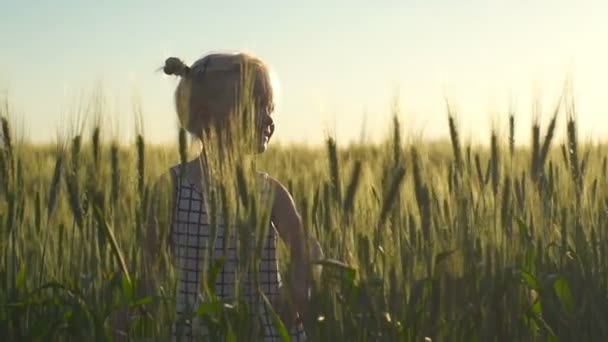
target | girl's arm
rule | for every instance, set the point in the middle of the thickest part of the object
(289, 226)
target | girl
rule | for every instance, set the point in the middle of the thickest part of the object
(205, 99)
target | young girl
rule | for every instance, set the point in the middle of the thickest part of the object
(205, 98)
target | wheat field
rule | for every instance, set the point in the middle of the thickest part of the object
(435, 242)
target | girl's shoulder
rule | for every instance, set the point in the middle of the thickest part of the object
(178, 173)
(263, 175)
(265, 182)
(272, 186)
(175, 170)
(270, 181)
(168, 182)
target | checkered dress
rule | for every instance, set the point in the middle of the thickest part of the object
(191, 236)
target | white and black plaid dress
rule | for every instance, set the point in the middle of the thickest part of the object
(191, 234)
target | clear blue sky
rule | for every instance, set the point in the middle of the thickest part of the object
(336, 60)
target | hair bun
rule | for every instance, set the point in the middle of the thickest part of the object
(175, 66)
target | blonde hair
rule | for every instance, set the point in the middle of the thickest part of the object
(209, 90)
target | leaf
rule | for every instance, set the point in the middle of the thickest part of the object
(213, 273)
(127, 289)
(209, 308)
(75, 300)
(439, 258)
(67, 314)
(541, 323)
(141, 302)
(276, 320)
(20, 278)
(562, 290)
(537, 307)
(113, 243)
(524, 230)
(530, 280)
(348, 273)
(230, 335)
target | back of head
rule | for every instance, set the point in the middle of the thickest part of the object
(210, 89)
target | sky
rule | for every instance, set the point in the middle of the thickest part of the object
(342, 65)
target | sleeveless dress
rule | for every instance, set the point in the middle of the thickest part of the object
(191, 235)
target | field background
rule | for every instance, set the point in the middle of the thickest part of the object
(442, 241)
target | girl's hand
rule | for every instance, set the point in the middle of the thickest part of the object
(293, 304)
(301, 293)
